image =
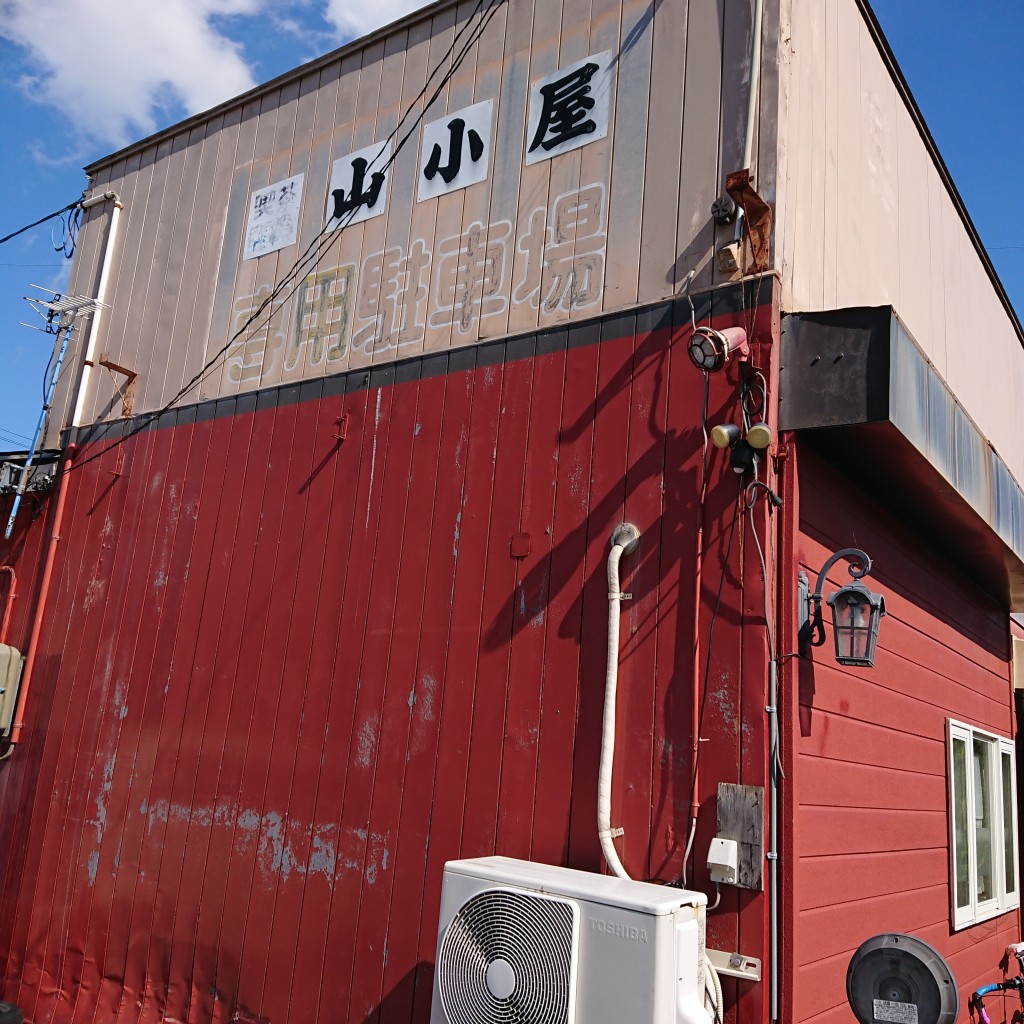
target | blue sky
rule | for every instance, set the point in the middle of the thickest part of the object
(83, 77)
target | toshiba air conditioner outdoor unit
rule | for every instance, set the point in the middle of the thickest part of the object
(523, 943)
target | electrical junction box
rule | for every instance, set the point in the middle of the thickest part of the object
(723, 860)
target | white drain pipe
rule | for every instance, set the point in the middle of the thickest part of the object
(101, 295)
(624, 540)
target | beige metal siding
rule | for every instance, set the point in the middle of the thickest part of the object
(630, 212)
(865, 218)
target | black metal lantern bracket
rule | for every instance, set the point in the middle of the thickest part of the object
(811, 628)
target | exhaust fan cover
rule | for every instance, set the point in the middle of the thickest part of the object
(524, 943)
(510, 958)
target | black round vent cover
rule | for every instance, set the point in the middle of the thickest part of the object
(10, 1014)
(897, 979)
(507, 958)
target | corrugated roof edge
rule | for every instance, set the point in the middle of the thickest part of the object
(915, 111)
(259, 90)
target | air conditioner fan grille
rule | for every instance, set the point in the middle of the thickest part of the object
(507, 958)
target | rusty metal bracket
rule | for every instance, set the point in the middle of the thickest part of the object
(758, 216)
(126, 393)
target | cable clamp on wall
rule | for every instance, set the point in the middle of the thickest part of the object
(614, 833)
(772, 856)
(620, 597)
(771, 709)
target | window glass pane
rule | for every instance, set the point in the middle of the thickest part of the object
(960, 833)
(983, 819)
(1009, 853)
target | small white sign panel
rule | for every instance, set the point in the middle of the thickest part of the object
(569, 108)
(273, 217)
(897, 1013)
(456, 151)
(359, 185)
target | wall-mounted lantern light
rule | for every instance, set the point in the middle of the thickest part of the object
(856, 612)
(710, 350)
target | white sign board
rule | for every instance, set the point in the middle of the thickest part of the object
(359, 185)
(456, 151)
(570, 108)
(273, 217)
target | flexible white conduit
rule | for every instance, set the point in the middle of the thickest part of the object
(713, 988)
(624, 540)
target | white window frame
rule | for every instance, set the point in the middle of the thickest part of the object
(1006, 890)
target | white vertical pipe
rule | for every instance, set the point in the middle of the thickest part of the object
(624, 539)
(755, 85)
(101, 294)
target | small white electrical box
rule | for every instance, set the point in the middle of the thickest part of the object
(723, 860)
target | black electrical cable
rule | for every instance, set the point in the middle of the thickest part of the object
(314, 251)
(70, 222)
(42, 220)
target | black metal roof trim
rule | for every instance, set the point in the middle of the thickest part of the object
(856, 380)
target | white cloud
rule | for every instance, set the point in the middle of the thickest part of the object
(119, 70)
(357, 17)
(111, 66)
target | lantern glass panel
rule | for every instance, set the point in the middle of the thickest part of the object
(854, 620)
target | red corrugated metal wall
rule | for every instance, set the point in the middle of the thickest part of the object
(866, 785)
(285, 677)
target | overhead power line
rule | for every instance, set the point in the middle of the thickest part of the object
(313, 252)
(42, 220)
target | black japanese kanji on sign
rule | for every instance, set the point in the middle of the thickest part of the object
(457, 132)
(565, 110)
(358, 194)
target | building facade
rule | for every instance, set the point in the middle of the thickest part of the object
(389, 347)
